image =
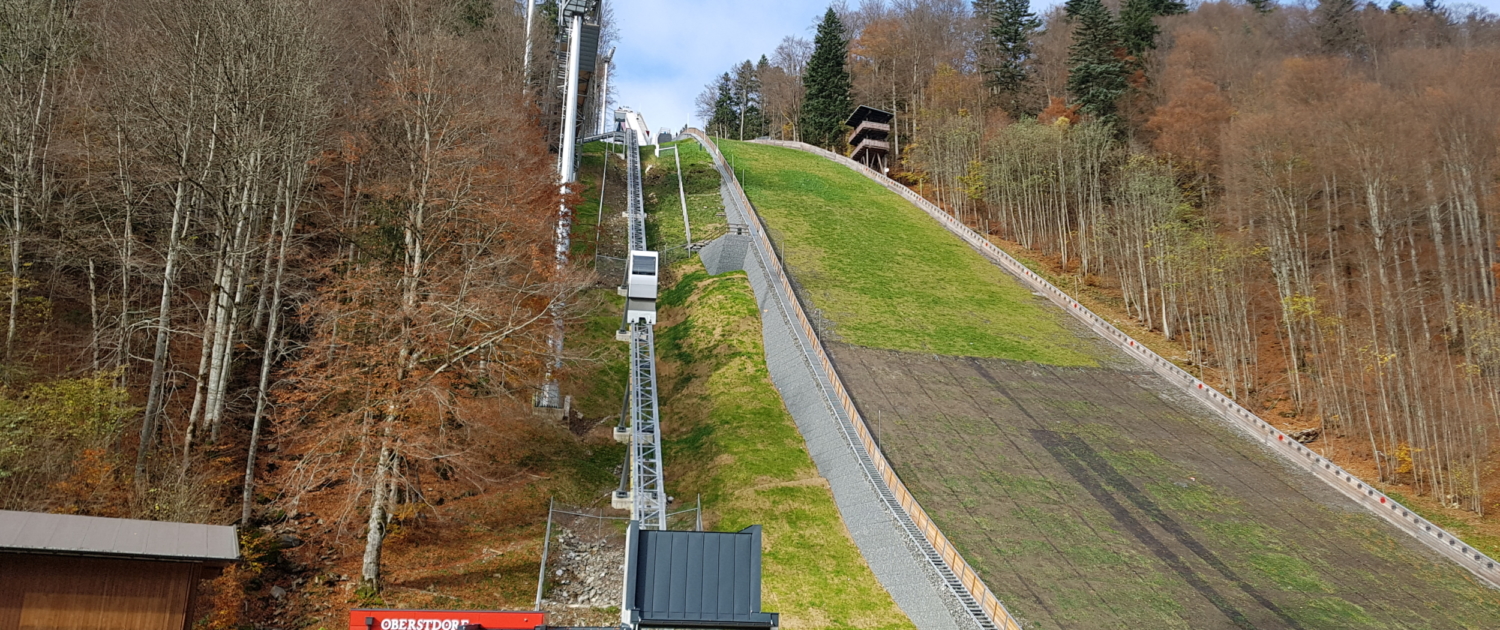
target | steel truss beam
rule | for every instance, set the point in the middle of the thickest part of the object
(636, 207)
(648, 493)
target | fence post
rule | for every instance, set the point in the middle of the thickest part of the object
(541, 577)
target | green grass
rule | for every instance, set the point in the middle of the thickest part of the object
(730, 439)
(663, 206)
(591, 158)
(598, 380)
(1291, 574)
(1306, 577)
(1332, 612)
(885, 274)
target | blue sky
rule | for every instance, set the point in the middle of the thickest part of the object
(670, 49)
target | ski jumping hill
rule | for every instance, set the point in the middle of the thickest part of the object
(1083, 487)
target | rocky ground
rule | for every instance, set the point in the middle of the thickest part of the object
(585, 570)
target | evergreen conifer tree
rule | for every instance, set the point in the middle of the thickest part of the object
(1005, 48)
(746, 90)
(1138, 28)
(759, 124)
(1096, 74)
(726, 120)
(826, 80)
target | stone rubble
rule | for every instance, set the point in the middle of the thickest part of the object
(586, 571)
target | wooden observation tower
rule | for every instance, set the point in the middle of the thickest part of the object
(872, 127)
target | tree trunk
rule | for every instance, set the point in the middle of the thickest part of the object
(375, 529)
(154, 393)
(93, 318)
(268, 353)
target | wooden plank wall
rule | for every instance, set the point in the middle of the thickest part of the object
(39, 592)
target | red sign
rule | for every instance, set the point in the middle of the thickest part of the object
(386, 619)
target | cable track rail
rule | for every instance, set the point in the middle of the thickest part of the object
(981, 605)
(636, 208)
(1442, 541)
(596, 137)
(647, 490)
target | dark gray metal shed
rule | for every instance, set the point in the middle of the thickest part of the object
(694, 579)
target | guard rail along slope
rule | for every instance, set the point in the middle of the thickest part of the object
(981, 604)
(1441, 540)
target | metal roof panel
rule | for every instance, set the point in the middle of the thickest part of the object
(695, 579)
(36, 532)
(865, 112)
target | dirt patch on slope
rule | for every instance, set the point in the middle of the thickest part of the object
(1097, 498)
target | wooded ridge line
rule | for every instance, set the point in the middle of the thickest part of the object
(289, 264)
(1303, 199)
(278, 263)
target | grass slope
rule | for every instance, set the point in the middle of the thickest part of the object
(730, 439)
(700, 182)
(727, 434)
(885, 274)
(586, 215)
(597, 379)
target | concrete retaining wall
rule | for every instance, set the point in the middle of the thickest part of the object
(726, 253)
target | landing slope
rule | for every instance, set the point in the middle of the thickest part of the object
(882, 275)
(1085, 491)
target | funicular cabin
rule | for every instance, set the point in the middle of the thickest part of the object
(69, 572)
(641, 287)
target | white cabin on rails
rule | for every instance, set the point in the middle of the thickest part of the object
(641, 287)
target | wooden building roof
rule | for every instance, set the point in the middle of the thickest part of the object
(70, 534)
(865, 112)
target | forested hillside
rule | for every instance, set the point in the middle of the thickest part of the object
(1301, 201)
(274, 262)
